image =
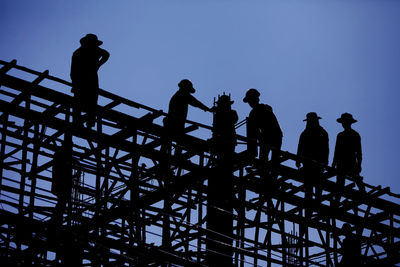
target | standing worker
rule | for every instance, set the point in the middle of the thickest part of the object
(262, 126)
(174, 127)
(86, 61)
(174, 123)
(313, 147)
(348, 155)
(225, 118)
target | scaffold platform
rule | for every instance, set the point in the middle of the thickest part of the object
(117, 215)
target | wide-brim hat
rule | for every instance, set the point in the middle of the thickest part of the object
(90, 38)
(251, 94)
(225, 99)
(187, 85)
(346, 117)
(312, 116)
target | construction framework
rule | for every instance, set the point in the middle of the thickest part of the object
(118, 214)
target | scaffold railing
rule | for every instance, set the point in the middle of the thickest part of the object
(117, 213)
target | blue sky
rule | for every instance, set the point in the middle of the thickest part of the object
(330, 56)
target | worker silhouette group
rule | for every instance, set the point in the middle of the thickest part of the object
(264, 134)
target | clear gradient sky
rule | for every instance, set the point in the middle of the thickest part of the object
(327, 56)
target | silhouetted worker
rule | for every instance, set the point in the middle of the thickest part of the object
(174, 122)
(351, 248)
(62, 177)
(225, 118)
(314, 147)
(86, 61)
(262, 126)
(174, 126)
(348, 156)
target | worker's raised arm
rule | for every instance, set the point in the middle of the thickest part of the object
(104, 56)
(196, 103)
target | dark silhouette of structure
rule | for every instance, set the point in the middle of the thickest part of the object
(351, 248)
(62, 177)
(225, 119)
(348, 155)
(117, 216)
(313, 147)
(220, 193)
(85, 63)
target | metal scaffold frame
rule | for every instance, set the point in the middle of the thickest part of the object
(124, 213)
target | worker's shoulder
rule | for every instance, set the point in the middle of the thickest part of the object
(266, 107)
(349, 134)
(260, 108)
(322, 130)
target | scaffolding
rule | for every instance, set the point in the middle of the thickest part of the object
(117, 215)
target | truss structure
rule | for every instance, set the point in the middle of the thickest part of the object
(124, 213)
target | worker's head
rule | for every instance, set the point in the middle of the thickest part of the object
(224, 101)
(312, 119)
(186, 84)
(346, 119)
(252, 97)
(90, 39)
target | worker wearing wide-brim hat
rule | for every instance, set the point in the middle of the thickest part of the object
(348, 153)
(314, 141)
(179, 105)
(224, 121)
(86, 61)
(263, 126)
(346, 118)
(90, 39)
(313, 149)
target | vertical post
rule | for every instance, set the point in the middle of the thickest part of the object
(283, 237)
(166, 228)
(242, 214)
(3, 117)
(200, 215)
(390, 241)
(24, 157)
(301, 240)
(306, 247)
(335, 242)
(256, 233)
(269, 232)
(220, 209)
(98, 228)
(188, 218)
(328, 244)
(35, 154)
(136, 220)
